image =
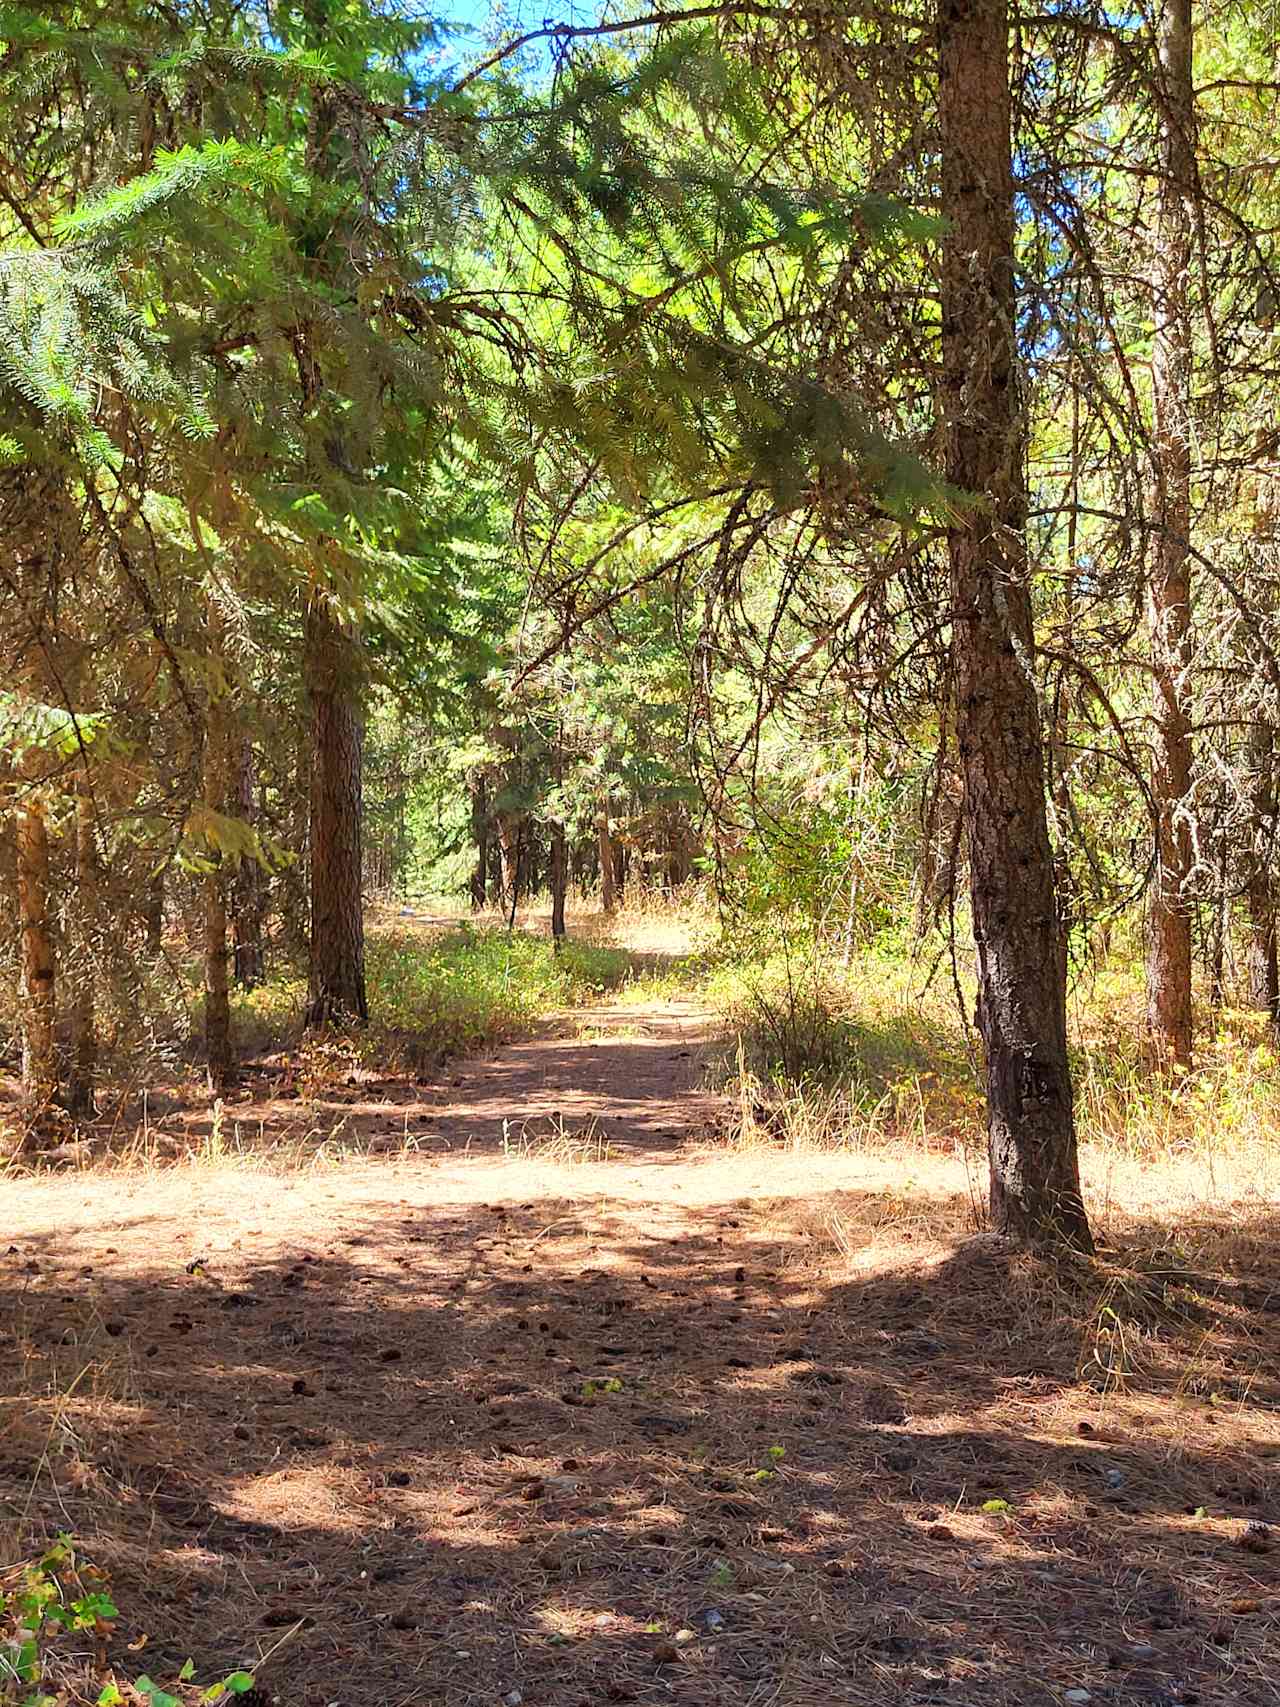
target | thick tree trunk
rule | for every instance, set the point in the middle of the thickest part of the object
(1169, 1017)
(608, 864)
(39, 1062)
(248, 897)
(480, 835)
(217, 1001)
(331, 650)
(337, 821)
(1035, 1184)
(84, 1037)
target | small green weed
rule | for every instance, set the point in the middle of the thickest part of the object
(767, 1472)
(58, 1595)
(593, 1389)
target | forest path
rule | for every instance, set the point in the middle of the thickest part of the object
(611, 1413)
(620, 1076)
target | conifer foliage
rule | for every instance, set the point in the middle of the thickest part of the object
(669, 447)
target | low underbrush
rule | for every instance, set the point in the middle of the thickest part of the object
(437, 990)
(827, 1055)
(445, 993)
(56, 1619)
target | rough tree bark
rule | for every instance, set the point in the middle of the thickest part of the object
(331, 647)
(83, 1067)
(248, 897)
(1035, 1184)
(1169, 1018)
(337, 819)
(216, 780)
(608, 869)
(1262, 963)
(39, 1000)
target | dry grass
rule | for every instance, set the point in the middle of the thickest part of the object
(552, 1138)
(907, 1078)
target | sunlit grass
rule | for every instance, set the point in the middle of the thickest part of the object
(452, 991)
(890, 1062)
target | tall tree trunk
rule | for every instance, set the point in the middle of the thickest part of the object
(84, 1037)
(337, 823)
(39, 1001)
(608, 867)
(217, 1001)
(559, 880)
(1169, 1017)
(480, 835)
(248, 900)
(1261, 959)
(1035, 1183)
(331, 648)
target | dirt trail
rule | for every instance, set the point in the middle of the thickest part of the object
(558, 1424)
(627, 1074)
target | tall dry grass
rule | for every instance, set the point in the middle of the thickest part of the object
(875, 1056)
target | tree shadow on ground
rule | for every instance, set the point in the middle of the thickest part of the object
(463, 1449)
(635, 1087)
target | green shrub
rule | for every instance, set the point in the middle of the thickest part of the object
(46, 1600)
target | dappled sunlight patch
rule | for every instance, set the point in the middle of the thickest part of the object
(596, 1417)
(320, 1496)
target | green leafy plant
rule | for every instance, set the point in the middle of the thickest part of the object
(767, 1472)
(59, 1594)
(592, 1389)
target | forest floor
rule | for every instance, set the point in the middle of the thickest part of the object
(563, 1400)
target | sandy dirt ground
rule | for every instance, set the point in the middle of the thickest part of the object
(559, 1401)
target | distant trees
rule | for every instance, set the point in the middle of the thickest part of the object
(542, 485)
